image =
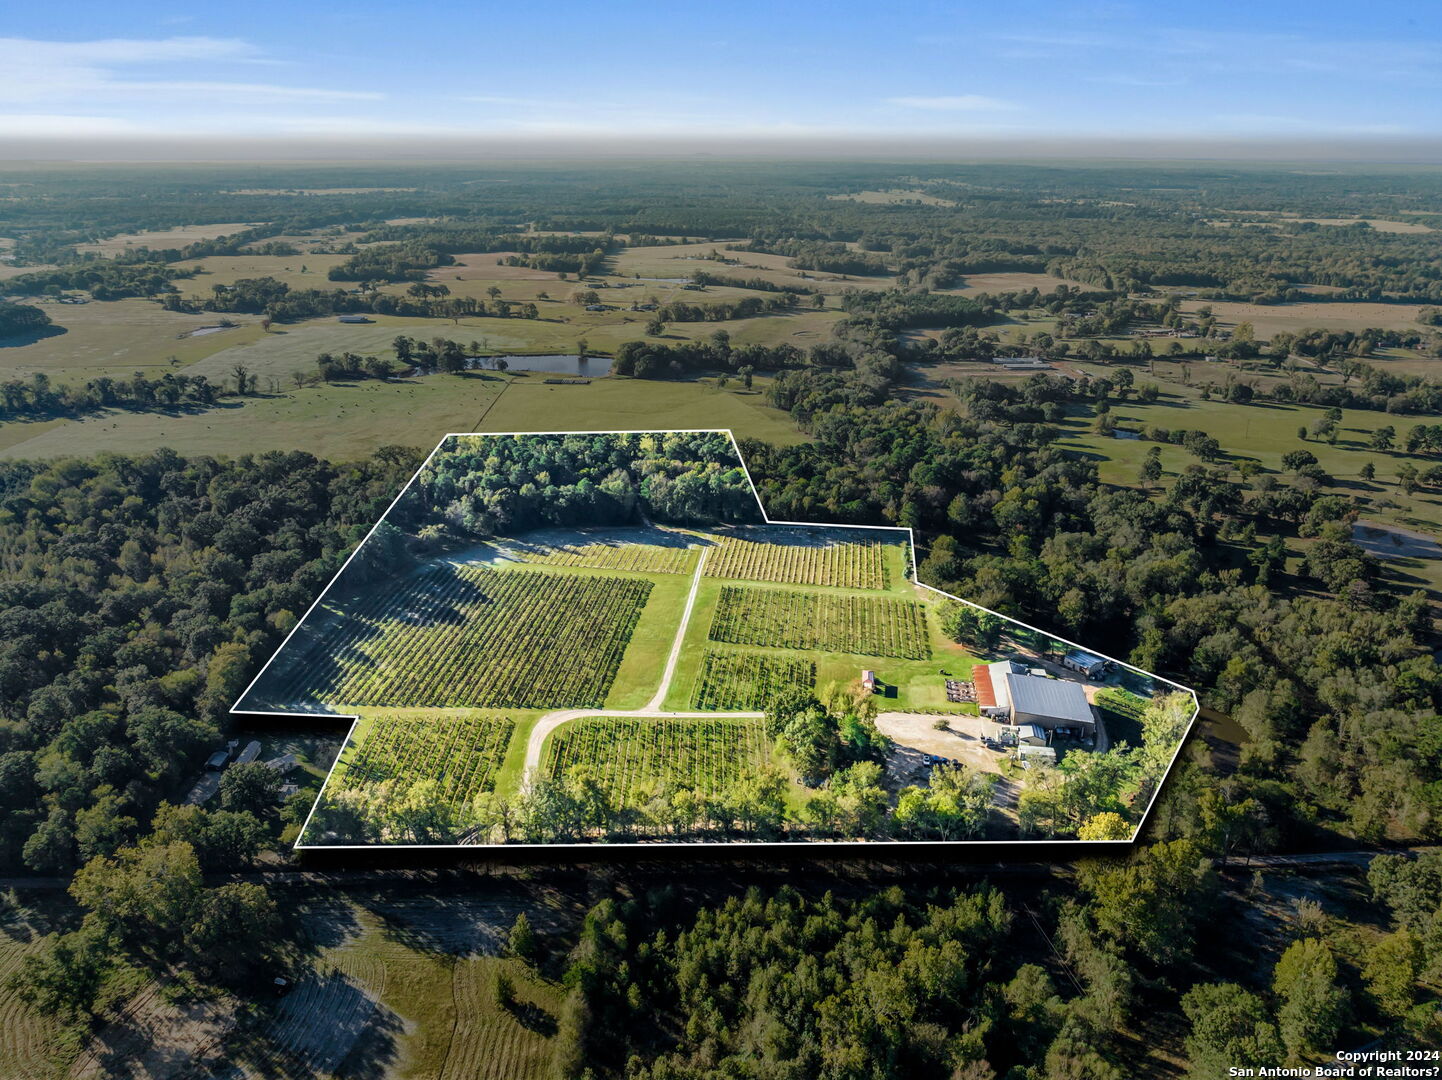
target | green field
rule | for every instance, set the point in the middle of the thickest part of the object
(119, 338)
(344, 422)
(1263, 433)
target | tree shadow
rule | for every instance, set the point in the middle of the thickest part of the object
(19, 341)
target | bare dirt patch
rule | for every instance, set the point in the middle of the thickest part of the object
(155, 1039)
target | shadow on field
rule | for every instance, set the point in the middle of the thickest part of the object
(19, 341)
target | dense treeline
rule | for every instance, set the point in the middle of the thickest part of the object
(483, 485)
(38, 398)
(138, 596)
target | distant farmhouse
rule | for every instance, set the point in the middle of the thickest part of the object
(1011, 693)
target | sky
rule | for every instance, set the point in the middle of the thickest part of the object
(308, 71)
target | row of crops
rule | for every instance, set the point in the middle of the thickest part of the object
(748, 681)
(853, 564)
(635, 757)
(459, 751)
(637, 558)
(465, 637)
(825, 622)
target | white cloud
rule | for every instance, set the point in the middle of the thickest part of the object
(955, 103)
(79, 73)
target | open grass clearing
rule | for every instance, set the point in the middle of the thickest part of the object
(119, 338)
(1017, 281)
(228, 269)
(348, 421)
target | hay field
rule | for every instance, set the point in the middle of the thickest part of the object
(119, 338)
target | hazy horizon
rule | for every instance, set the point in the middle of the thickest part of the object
(1038, 78)
(296, 150)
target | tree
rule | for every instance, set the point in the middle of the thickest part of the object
(1152, 901)
(522, 942)
(1390, 969)
(1228, 1026)
(1313, 1005)
(253, 787)
(1106, 826)
(1151, 470)
(493, 291)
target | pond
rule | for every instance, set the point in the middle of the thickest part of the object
(589, 367)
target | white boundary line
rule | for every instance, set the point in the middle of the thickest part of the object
(730, 845)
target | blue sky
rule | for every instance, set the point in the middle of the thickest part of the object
(308, 68)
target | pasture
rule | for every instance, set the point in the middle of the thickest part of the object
(347, 421)
(1270, 319)
(1263, 433)
(119, 338)
(304, 271)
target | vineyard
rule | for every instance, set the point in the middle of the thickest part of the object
(634, 756)
(748, 681)
(469, 638)
(854, 564)
(637, 558)
(460, 752)
(867, 625)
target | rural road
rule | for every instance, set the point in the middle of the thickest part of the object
(552, 720)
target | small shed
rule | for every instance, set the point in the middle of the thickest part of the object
(868, 681)
(1091, 666)
(1030, 735)
(217, 761)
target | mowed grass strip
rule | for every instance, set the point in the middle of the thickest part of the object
(749, 681)
(634, 759)
(852, 564)
(460, 752)
(821, 622)
(464, 637)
